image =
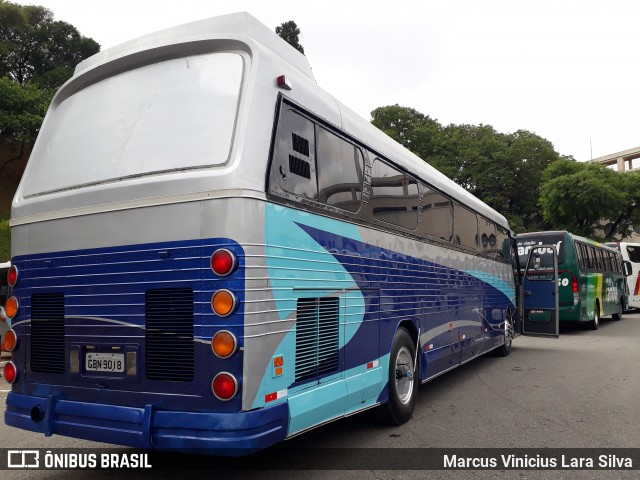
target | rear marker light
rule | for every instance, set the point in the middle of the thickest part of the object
(10, 341)
(283, 82)
(11, 307)
(12, 276)
(223, 262)
(223, 303)
(224, 344)
(10, 372)
(224, 386)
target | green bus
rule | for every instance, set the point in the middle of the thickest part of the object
(591, 276)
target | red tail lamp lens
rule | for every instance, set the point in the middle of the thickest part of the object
(224, 344)
(10, 372)
(574, 283)
(10, 341)
(12, 275)
(223, 262)
(224, 386)
(11, 307)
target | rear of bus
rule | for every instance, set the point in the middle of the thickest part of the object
(131, 229)
(569, 285)
(631, 253)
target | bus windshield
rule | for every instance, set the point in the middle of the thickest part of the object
(166, 116)
(525, 244)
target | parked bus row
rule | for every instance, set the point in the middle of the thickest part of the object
(211, 253)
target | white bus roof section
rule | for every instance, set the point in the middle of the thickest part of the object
(233, 24)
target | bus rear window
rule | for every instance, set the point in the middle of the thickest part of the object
(172, 115)
(634, 253)
(525, 244)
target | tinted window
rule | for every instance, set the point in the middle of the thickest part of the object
(437, 214)
(394, 196)
(634, 253)
(526, 242)
(294, 167)
(466, 227)
(340, 167)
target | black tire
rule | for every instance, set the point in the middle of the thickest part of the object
(403, 380)
(505, 349)
(618, 315)
(595, 323)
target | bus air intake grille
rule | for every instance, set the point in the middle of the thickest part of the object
(169, 334)
(317, 344)
(47, 348)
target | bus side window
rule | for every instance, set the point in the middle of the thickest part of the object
(634, 253)
(394, 196)
(293, 169)
(466, 226)
(580, 255)
(437, 214)
(340, 171)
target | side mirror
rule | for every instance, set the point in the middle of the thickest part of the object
(626, 268)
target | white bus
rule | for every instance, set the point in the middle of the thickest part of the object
(210, 252)
(631, 253)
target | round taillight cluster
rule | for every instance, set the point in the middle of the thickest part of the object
(223, 262)
(224, 343)
(12, 276)
(224, 386)
(10, 372)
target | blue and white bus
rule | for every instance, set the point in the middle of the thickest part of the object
(210, 252)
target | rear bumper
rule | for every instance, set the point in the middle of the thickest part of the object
(211, 433)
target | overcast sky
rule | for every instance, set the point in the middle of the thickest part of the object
(566, 70)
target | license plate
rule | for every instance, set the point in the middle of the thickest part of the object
(104, 362)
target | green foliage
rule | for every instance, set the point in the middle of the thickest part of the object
(22, 109)
(503, 170)
(5, 240)
(35, 48)
(580, 197)
(290, 33)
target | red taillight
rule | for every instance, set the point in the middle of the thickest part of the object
(574, 283)
(12, 276)
(10, 372)
(223, 262)
(224, 386)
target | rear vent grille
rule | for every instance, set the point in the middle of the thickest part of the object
(300, 144)
(47, 333)
(317, 342)
(299, 167)
(169, 334)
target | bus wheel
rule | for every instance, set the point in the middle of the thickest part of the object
(618, 314)
(595, 323)
(403, 380)
(505, 349)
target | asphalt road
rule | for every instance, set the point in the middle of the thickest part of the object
(579, 391)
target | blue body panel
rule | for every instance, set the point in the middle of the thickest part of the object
(459, 312)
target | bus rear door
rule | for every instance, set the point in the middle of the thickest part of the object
(540, 314)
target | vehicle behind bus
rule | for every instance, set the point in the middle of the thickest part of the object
(631, 253)
(591, 282)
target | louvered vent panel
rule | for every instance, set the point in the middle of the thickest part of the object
(300, 144)
(169, 334)
(47, 333)
(317, 342)
(299, 167)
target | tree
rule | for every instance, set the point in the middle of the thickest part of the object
(582, 197)
(290, 32)
(35, 48)
(503, 170)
